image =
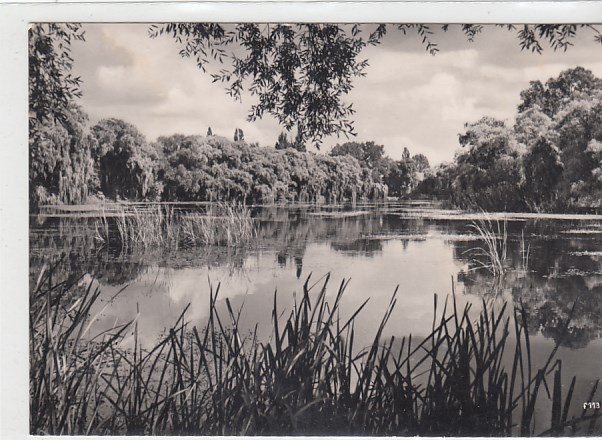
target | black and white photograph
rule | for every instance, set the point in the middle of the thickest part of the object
(314, 229)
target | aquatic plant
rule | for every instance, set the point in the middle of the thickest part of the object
(65, 363)
(525, 251)
(158, 225)
(307, 378)
(493, 253)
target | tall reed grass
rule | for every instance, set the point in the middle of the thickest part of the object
(66, 364)
(493, 253)
(164, 226)
(525, 251)
(308, 378)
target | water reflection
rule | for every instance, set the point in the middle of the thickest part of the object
(558, 272)
(379, 247)
(553, 264)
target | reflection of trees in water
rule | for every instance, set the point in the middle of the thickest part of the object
(561, 271)
(561, 267)
(554, 280)
(70, 243)
(290, 230)
(285, 230)
(362, 246)
(549, 302)
(550, 253)
(283, 257)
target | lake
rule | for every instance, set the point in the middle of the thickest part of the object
(552, 262)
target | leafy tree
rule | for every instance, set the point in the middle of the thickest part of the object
(531, 124)
(549, 160)
(52, 87)
(437, 182)
(565, 111)
(299, 143)
(367, 153)
(557, 92)
(303, 72)
(595, 149)
(59, 144)
(239, 136)
(282, 143)
(543, 169)
(201, 168)
(405, 156)
(421, 162)
(486, 141)
(370, 155)
(488, 174)
(595, 193)
(166, 145)
(579, 124)
(125, 161)
(401, 177)
(61, 167)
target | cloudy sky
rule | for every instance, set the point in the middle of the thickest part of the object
(407, 99)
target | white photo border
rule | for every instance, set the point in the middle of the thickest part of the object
(14, 203)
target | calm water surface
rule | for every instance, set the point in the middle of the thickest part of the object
(554, 261)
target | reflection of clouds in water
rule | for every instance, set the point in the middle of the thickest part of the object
(421, 269)
(378, 251)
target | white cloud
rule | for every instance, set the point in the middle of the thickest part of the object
(541, 72)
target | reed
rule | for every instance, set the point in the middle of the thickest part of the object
(308, 378)
(525, 250)
(165, 227)
(66, 364)
(493, 253)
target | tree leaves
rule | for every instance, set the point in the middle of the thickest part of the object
(301, 73)
(214, 168)
(51, 84)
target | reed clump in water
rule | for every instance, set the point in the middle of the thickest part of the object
(163, 226)
(493, 253)
(309, 378)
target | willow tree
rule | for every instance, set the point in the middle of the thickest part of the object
(125, 162)
(61, 165)
(59, 146)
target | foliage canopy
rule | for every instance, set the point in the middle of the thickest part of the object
(549, 160)
(52, 87)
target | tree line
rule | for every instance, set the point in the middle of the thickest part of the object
(549, 160)
(70, 161)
